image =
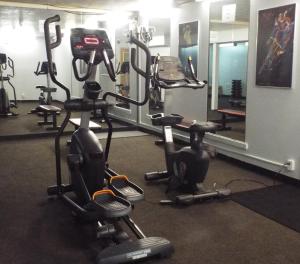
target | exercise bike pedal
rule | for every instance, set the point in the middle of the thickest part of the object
(109, 205)
(124, 188)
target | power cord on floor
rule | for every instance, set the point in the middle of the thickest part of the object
(259, 182)
(245, 180)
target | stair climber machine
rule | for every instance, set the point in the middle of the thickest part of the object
(45, 97)
(102, 197)
(188, 166)
(5, 103)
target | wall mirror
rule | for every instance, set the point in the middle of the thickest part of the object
(122, 66)
(228, 65)
(160, 44)
(24, 43)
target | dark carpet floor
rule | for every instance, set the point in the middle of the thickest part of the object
(38, 230)
(26, 124)
(286, 197)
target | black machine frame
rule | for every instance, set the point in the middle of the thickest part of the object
(121, 253)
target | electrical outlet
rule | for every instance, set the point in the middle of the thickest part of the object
(290, 165)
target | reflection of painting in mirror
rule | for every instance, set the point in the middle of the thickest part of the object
(188, 44)
(228, 66)
(122, 72)
(275, 46)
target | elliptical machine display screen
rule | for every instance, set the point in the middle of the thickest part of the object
(83, 41)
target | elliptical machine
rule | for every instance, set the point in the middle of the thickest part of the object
(5, 103)
(187, 167)
(102, 197)
(45, 97)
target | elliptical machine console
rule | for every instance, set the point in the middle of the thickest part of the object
(102, 197)
(84, 41)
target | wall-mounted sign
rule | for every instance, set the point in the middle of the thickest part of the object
(228, 13)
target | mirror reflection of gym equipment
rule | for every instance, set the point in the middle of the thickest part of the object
(6, 63)
(228, 64)
(123, 73)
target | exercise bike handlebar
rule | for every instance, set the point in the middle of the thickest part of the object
(146, 74)
(37, 71)
(194, 77)
(185, 83)
(52, 45)
(11, 65)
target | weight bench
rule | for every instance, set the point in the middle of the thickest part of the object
(76, 123)
(230, 112)
(49, 110)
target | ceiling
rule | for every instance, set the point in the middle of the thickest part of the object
(91, 4)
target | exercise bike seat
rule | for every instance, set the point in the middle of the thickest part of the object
(109, 205)
(203, 127)
(126, 189)
(168, 120)
(46, 89)
(6, 78)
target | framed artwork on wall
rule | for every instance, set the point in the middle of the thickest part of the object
(188, 44)
(275, 43)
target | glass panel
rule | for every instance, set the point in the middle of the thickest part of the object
(228, 62)
(160, 44)
(122, 86)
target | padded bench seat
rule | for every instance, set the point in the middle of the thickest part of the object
(76, 123)
(49, 110)
(230, 112)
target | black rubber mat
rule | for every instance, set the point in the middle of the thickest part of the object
(279, 203)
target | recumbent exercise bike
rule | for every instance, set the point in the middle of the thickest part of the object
(187, 167)
(102, 197)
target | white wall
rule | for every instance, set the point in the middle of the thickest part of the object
(162, 51)
(221, 36)
(192, 104)
(25, 59)
(273, 114)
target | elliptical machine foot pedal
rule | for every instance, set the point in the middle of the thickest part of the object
(131, 251)
(110, 205)
(126, 189)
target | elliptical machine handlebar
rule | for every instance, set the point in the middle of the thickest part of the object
(52, 45)
(109, 65)
(146, 74)
(88, 72)
(11, 65)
